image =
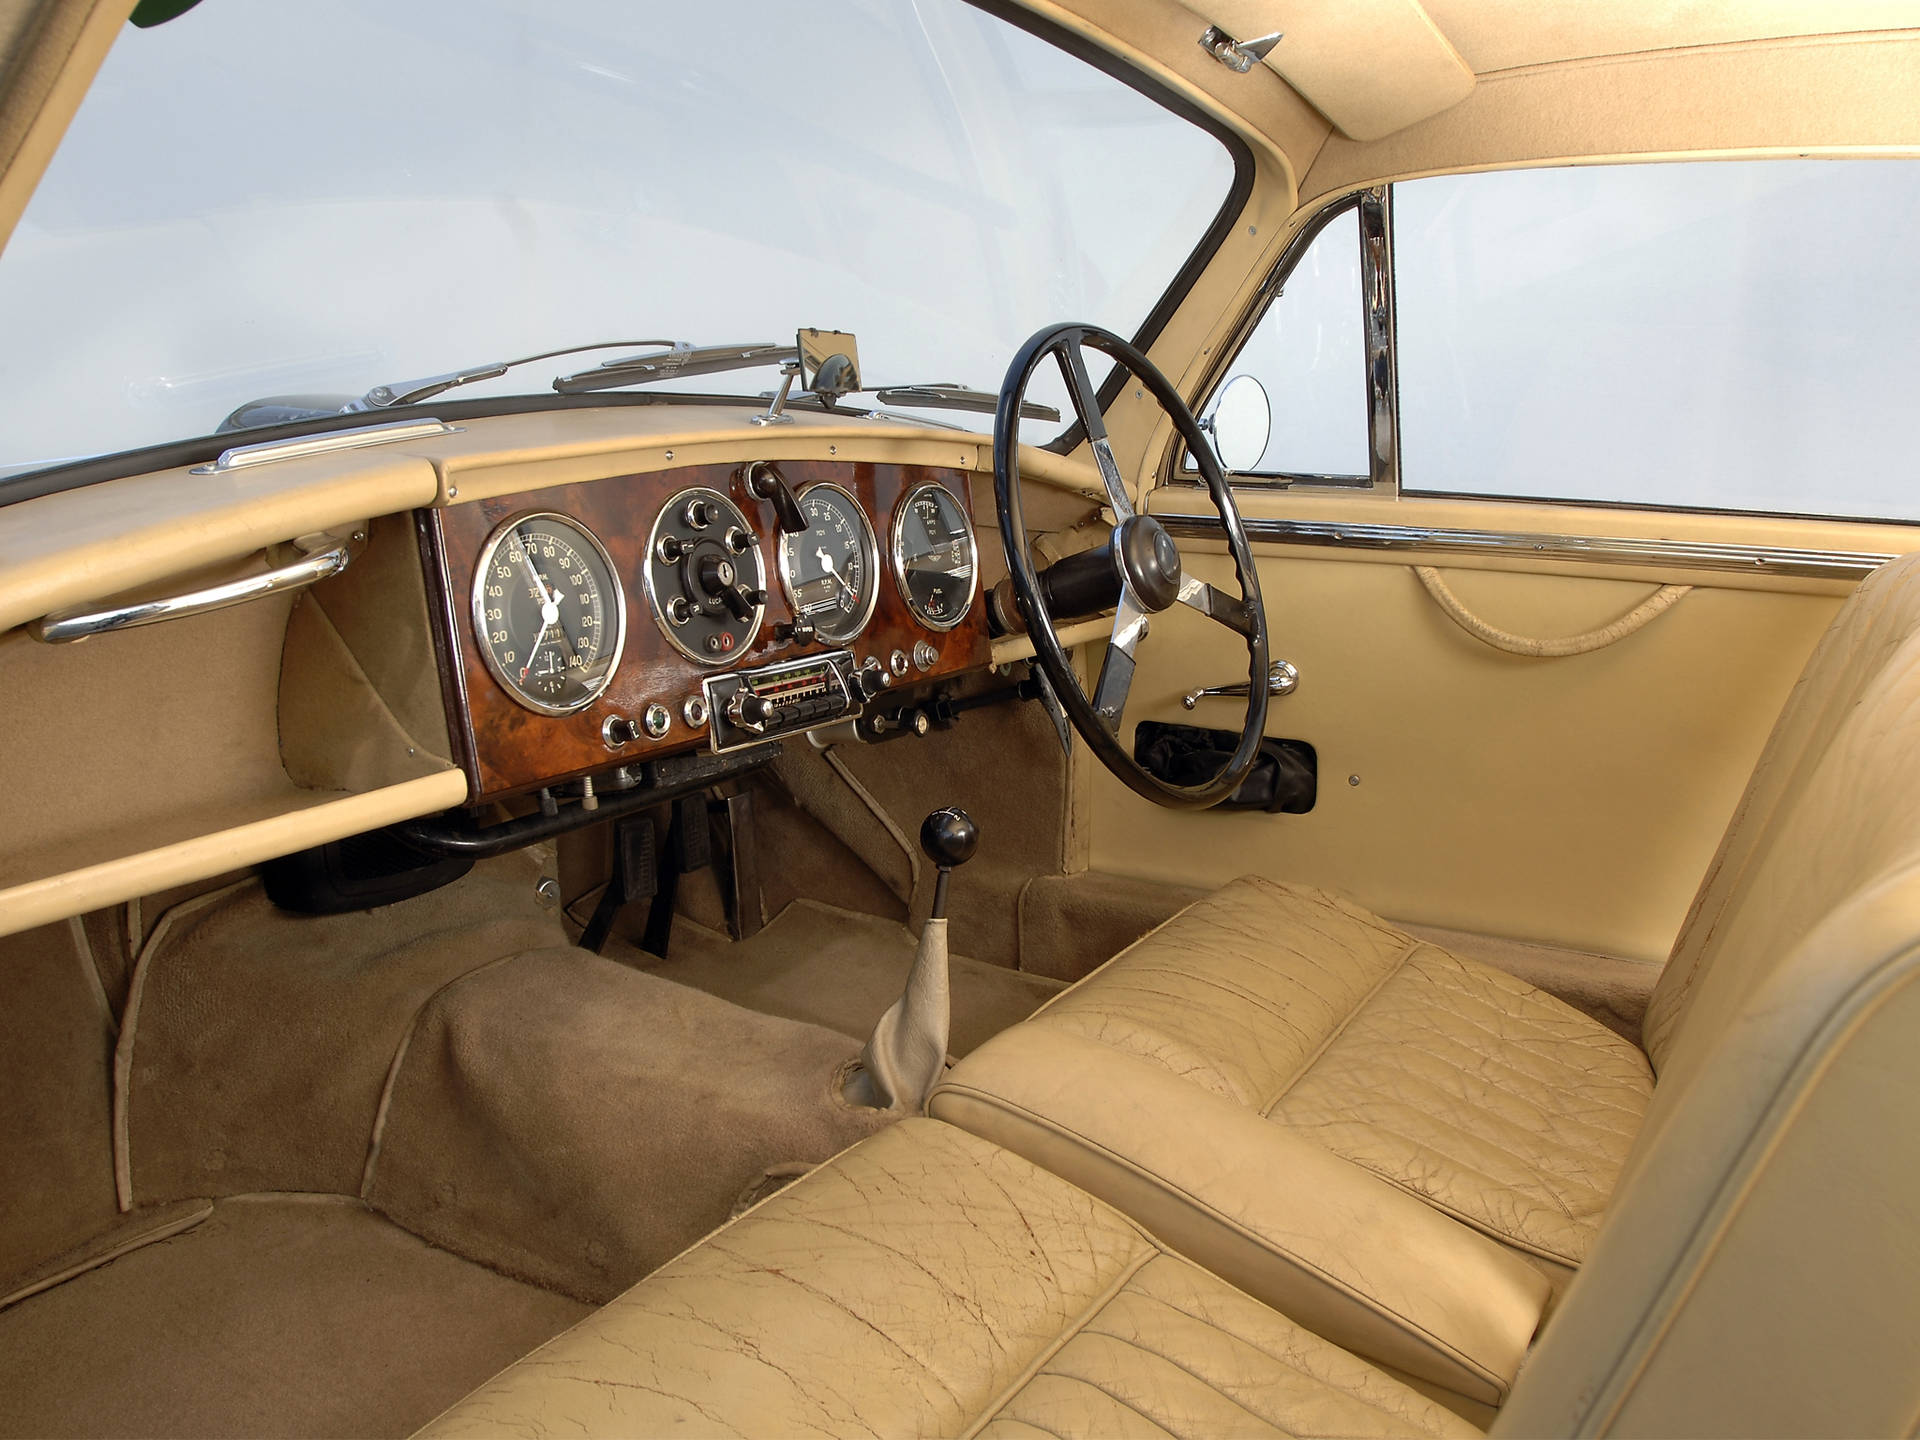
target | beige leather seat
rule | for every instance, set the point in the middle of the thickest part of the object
(927, 1283)
(1453, 1082)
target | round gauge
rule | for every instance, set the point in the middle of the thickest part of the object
(549, 612)
(829, 571)
(933, 557)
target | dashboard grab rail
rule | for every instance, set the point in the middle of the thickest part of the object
(65, 626)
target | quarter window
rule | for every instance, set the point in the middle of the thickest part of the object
(1308, 353)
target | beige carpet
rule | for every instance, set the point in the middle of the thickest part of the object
(841, 969)
(297, 1316)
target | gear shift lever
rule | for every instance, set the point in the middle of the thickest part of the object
(905, 1055)
(949, 837)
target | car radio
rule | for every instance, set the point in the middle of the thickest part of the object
(748, 706)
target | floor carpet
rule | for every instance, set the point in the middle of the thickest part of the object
(841, 969)
(281, 1315)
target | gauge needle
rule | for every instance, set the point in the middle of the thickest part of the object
(549, 610)
(826, 564)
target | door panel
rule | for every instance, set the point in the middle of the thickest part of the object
(1571, 801)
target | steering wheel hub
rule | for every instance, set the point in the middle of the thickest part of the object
(1148, 561)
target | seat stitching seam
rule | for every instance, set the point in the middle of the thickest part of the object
(1484, 1226)
(1341, 1029)
(1287, 1362)
(1211, 1385)
(1123, 1404)
(1073, 1327)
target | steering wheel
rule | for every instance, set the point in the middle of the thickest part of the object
(1136, 573)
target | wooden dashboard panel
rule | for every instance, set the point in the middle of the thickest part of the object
(505, 747)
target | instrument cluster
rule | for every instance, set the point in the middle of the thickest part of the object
(746, 570)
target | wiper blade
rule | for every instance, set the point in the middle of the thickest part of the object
(957, 397)
(677, 360)
(411, 392)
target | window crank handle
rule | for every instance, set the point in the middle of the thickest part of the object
(1282, 679)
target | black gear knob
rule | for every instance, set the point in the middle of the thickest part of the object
(949, 837)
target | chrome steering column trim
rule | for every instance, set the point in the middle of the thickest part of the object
(1607, 550)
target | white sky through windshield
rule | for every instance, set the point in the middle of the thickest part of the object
(267, 197)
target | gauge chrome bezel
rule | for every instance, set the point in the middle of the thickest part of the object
(872, 558)
(674, 504)
(898, 560)
(477, 612)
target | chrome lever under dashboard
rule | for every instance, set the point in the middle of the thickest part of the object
(747, 707)
(1282, 679)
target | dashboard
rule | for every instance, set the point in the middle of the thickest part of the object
(584, 626)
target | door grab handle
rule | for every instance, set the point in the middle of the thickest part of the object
(65, 626)
(1282, 679)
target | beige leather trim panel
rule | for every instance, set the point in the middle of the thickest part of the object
(102, 540)
(75, 892)
(50, 60)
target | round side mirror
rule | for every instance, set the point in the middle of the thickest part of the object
(1239, 423)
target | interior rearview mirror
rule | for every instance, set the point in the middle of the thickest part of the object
(1239, 422)
(829, 363)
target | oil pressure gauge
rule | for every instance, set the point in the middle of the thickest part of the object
(548, 612)
(934, 556)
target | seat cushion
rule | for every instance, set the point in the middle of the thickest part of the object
(928, 1283)
(1486, 1098)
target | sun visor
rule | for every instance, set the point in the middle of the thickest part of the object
(49, 52)
(1370, 66)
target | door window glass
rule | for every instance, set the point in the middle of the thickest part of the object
(1702, 335)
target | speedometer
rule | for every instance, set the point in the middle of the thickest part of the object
(548, 612)
(829, 569)
(933, 557)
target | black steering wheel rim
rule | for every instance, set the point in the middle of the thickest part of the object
(1248, 618)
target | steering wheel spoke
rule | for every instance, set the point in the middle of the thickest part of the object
(1138, 571)
(1116, 670)
(1216, 605)
(1086, 408)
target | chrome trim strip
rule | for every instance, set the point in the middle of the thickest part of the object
(266, 452)
(1608, 550)
(64, 627)
(1376, 290)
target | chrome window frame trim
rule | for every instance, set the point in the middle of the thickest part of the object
(1601, 549)
(1374, 216)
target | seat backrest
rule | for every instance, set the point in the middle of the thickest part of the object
(1759, 1269)
(1866, 637)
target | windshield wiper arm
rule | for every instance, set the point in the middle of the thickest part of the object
(677, 360)
(411, 392)
(957, 397)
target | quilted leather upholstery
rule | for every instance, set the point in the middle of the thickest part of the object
(1476, 1092)
(928, 1283)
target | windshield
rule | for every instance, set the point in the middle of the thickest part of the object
(269, 197)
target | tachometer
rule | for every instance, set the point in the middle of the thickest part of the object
(548, 612)
(933, 557)
(830, 570)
